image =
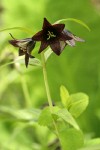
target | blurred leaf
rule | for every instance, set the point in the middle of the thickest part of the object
(78, 103)
(21, 115)
(5, 81)
(92, 144)
(71, 139)
(32, 61)
(98, 113)
(21, 60)
(6, 64)
(47, 54)
(74, 20)
(35, 62)
(93, 141)
(65, 115)
(17, 28)
(45, 118)
(93, 147)
(64, 94)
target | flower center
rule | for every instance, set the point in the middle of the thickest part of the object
(50, 35)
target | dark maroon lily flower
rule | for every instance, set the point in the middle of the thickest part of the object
(55, 36)
(51, 35)
(25, 47)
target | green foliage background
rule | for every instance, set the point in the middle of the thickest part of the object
(77, 68)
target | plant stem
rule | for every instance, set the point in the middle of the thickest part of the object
(48, 92)
(46, 82)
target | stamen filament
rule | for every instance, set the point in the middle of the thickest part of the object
(50, 35)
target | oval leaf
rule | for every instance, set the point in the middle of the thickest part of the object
(71, 139)
(79, 102)
(45, 118)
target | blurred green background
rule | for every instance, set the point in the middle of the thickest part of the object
(77, 68)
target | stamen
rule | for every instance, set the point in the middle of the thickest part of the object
(50, 35)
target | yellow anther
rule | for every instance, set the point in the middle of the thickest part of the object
(50, 35)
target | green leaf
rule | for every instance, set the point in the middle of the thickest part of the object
(71, 139)
(66, 116)
(6, 64)
(20, 115)
(47, 54)
(21, 60)
(78, 103)
(98, 113)
(92, 144)
(93, 141)
(64, 94)
(32, 61)
(35, 62)
(17, 28)
(45, 118)
(75, 20)
(93, 147)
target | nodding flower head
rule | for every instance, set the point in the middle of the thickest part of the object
(55, 36)
(50, 35)
(25, 47)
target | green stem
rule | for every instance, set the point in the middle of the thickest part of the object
(46, 82)
(48, 92)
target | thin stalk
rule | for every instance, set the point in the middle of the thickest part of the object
(46, 82)
(48, 92)
(26, 93)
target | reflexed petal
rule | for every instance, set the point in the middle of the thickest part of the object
(46, 24)
(59, 27)
(21, 52)
(55, 46)
(26, 40)
(23, 44)
(43, 46)
(62, 45)
(26, 59)
(30, 46)
(71, 42)
(64, 37)
(38, 36)
(76, 38)
(14, 43)
(68, 33)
